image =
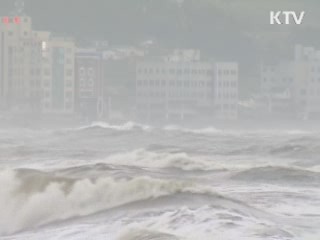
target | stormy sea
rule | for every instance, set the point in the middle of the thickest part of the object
(138, 182)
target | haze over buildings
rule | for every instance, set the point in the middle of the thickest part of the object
(159, 119)
(46, 73)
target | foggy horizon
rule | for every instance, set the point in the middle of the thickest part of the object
(159, 120)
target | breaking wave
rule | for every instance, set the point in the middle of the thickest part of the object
(124, 127)
(150, 159)
(32, 198)
(208, 130)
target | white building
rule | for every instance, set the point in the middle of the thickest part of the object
(36, 70)
(307, 80)
(294, 85)
(277, 86)
(58, 75)
(88, 70)
(20, 58)
(173, 90)
(226, 90)
(180, 86)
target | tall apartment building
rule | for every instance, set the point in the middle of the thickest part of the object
(307, 80)
(20, 61)
(88, 74)
(58, 64)
(118, 83)
(225, 90)
(36, 69)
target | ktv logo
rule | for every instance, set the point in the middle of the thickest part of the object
(286, 17)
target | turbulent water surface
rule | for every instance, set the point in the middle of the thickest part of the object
(135, 182)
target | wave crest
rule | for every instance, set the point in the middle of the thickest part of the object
(26, 203)
(124, 127)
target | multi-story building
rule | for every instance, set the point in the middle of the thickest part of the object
(225, 90)
(294, 86)
(36, 69)
(307, 80)
(118, 81)
(173, 90)
(20, 61)
(182, 86)
(277, 78)
(277, 86)
(88, 70)
(58, 75)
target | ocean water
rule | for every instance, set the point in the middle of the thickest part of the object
(137, 182)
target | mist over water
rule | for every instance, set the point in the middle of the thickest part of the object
(159, 120)
(135, 181)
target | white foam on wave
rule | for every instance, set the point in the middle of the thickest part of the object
(144, 158)
(205, 223)
(181, 223)
(222, 219)
(181, 160)
(207, 130)
(150, 159)
(124, 127)
(21, 209)
(210, 130)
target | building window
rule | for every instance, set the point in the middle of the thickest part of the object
(90, 82)
(69, 83)
(47, 105)
(90, 72)
(46, 83)
(82, 82)
(68, 95)
(82, 71)
(47, 72)
(69, 72)
(68, 105)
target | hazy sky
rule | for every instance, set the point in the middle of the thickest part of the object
(231, 29)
